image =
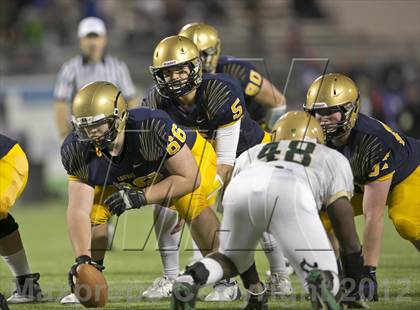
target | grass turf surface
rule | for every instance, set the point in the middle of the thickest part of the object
(134, 263)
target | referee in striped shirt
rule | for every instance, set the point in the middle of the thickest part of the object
(93, 64)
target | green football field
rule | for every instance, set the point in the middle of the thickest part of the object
(134, 263)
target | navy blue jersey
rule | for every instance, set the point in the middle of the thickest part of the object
(375, 151)
(218, 102)
(151, 137)
(6, 145)
(251, 82)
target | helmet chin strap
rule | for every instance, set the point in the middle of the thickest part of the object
(112, 133)
(107, 138)
(338, 130)
(336, 133)
(179, 88)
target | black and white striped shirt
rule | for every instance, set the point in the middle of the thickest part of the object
(76, 73)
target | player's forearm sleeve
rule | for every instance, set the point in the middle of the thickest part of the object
(227, 142)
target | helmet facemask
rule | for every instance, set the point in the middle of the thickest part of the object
(209, 58)
(180, 87)
(341, 128)
(116, 124)
(81, 127)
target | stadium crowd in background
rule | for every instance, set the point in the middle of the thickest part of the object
(35, 39)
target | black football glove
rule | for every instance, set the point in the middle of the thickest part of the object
(83, 259)
(125, 199)
(370, 285)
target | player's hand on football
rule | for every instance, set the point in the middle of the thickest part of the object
(83, 259)
(125, 198)
(370, 284)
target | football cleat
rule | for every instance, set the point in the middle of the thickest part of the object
(27, 290)
(184, 293)
(225, 290)
(289, 268)
(256, 301)
(160, 288)
(70, 299)
(278, 286)
(319, 292)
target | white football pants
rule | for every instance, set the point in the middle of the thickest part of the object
(273, 200)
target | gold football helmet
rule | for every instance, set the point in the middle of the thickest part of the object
(330, 93)
(207, 40)
(298, 125)
(176, 53)
(95, 104)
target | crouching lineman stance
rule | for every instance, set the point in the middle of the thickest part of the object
(385, 164)
(279, 187)
(119, 160)
(13, 177)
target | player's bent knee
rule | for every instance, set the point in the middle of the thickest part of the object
(407, 228)
(8, 226)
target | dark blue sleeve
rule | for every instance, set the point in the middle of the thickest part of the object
(6, 145)
(245, 73)
(225, 103)
(159, 136)
(74, 158)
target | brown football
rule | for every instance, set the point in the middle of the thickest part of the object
(90, 286)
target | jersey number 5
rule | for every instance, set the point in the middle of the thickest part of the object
(236, 109)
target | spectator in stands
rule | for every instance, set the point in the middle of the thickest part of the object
(408, 119)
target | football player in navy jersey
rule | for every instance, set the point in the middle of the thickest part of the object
(385, 164)
(261, 96)
(264, 103)
(212, 103)
(119, 160)
(14, 171)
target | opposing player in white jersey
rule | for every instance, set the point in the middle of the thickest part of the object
(279, 188)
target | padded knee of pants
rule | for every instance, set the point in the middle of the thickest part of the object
(407, 228)
(8, 226)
